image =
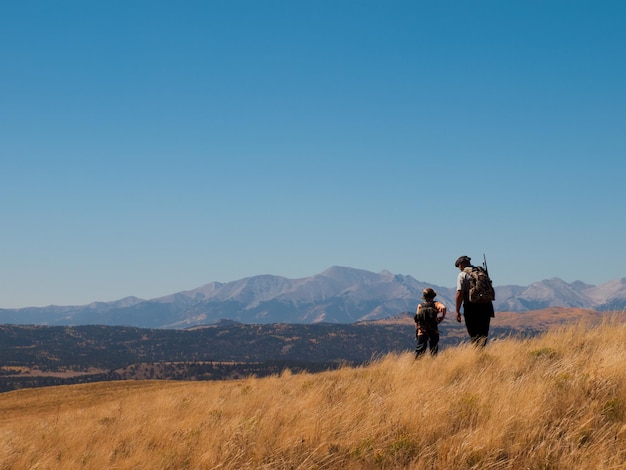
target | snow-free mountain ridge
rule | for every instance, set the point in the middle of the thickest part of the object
(337, 295)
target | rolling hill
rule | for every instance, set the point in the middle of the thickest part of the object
(556, 401)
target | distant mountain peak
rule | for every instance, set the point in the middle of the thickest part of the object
(339, 294)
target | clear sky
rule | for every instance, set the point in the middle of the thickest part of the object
(149, 147)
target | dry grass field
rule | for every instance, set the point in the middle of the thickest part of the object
(557, 401)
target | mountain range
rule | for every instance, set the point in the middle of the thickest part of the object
(337, 295)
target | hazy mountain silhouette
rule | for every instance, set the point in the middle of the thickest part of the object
(337, 295)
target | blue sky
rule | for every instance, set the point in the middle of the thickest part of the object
(149, 147)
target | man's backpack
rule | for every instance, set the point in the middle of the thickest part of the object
(480, 287)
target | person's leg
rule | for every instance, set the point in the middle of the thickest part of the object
(484, 331)
(477, 321)
(422, 344)
(434, 343)
(472, 326)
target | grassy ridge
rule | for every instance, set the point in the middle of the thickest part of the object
(557, 401)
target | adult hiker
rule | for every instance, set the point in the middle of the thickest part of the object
(427, 318)
(477, 313)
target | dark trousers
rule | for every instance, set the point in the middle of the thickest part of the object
(477, 320)
(424, 341)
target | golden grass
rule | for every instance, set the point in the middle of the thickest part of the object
(553, 402)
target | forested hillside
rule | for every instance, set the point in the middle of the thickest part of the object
(32, 356)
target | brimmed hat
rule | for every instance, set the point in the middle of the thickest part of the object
(428, 293)
(461, 259)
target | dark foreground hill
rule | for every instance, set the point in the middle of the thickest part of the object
(32, 356)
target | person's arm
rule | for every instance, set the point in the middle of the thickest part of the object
(417, 325)
(459, 302)
(460, 294)
(441, 308)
